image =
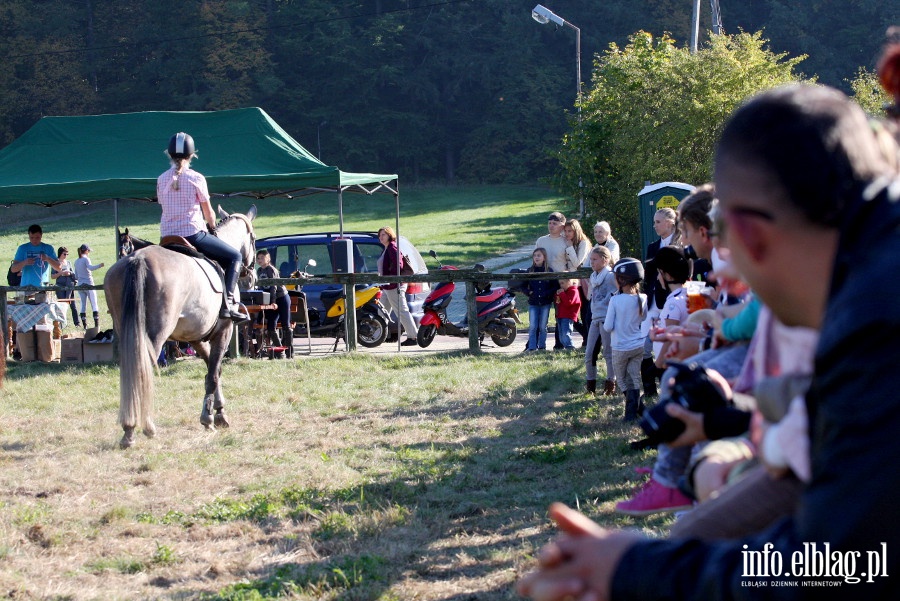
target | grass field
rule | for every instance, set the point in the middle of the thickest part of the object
(351, 477)
(355, 477)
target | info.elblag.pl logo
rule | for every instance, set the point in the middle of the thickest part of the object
(813, 565)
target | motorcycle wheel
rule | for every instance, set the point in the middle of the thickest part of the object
(371, 329)
(426, 335)
(505, 332)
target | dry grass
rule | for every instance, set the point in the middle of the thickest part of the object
(344, 478)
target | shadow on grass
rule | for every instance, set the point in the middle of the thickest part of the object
(481, 496)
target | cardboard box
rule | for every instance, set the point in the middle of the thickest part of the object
(97, 352)
(45, 346)
(70, 351)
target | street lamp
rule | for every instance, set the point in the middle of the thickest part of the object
(544, 15)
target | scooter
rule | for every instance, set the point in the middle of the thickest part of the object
(497, 313)
(371, 317)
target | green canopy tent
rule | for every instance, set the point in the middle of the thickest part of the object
(109, 157)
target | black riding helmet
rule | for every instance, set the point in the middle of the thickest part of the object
(671, 259)
(630, 269)
(181, 146)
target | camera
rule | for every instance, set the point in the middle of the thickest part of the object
(693, 390)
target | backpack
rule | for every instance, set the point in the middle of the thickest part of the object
(13, 279)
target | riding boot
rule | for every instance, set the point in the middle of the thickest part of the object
(96, 320)
(75, 316)
(632, 404)
(287, 339)
(275, 342)
(234, 310)
(609, 387)
(648, 376)
(84, 320)
(590, 386)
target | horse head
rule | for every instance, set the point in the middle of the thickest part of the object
(236, 230)
(126, 246)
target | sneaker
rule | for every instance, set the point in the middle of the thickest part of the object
(409, 342)
(655, 498)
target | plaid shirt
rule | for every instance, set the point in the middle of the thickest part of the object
(181, 214)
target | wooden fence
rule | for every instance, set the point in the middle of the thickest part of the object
(467, 276)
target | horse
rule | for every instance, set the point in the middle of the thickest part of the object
(156, 294)
(129, 243)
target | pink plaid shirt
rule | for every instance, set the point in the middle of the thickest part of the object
(181, 214)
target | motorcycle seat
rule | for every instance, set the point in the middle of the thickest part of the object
(491, 296)
(329, 296)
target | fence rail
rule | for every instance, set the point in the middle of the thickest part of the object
(349, 280)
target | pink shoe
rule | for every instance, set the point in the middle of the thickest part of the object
(654, 498)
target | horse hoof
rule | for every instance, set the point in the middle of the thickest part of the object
(127, 441)
(206, 419)
(221, 420)
(150, 430)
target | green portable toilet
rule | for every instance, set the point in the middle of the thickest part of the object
(653, 198)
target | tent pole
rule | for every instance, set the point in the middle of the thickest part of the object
(116, 219)
(341, 210)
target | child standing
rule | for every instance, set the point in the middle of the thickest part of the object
(601, 287)
(540, 299)
(626, 312)
(568, 306)
(83, 269)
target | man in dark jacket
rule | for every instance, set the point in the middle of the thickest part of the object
(813, 219)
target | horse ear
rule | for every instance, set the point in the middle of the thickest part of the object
(223, 214)
(251, 214)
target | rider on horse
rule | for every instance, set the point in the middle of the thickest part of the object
(186, 212)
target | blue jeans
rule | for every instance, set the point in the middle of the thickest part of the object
(230, 258)
(538, 316)
(564, 327)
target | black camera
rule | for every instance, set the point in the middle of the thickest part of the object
(693, 390)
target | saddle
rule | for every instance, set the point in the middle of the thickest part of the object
(213, 271)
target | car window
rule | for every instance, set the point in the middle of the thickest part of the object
(366, 256)
(291, 258)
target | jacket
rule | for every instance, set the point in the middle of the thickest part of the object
(540, 292)
(854, 417)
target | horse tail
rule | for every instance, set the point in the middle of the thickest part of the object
(135, 351)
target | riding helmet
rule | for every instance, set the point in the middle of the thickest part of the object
(181, 146)
(629, 268)
(671, 259)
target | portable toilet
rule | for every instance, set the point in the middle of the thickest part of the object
(654, 197)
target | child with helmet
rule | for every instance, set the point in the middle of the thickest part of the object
(627, 309)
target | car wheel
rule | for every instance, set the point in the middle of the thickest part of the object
(503, 332)
(371, 329)
(426, 335)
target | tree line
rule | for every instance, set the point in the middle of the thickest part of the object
(436, 91)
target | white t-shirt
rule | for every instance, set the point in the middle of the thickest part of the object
(624, 320)
(675, 309)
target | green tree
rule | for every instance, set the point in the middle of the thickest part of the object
(654, 113)
(868, 93)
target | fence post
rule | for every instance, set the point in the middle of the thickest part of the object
(472, 318)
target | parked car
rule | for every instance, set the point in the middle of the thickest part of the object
(292, 252)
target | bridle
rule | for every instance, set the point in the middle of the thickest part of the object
(249, 254)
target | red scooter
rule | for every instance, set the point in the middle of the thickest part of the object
(497, 313)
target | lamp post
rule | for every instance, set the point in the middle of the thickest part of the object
(544, 15)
